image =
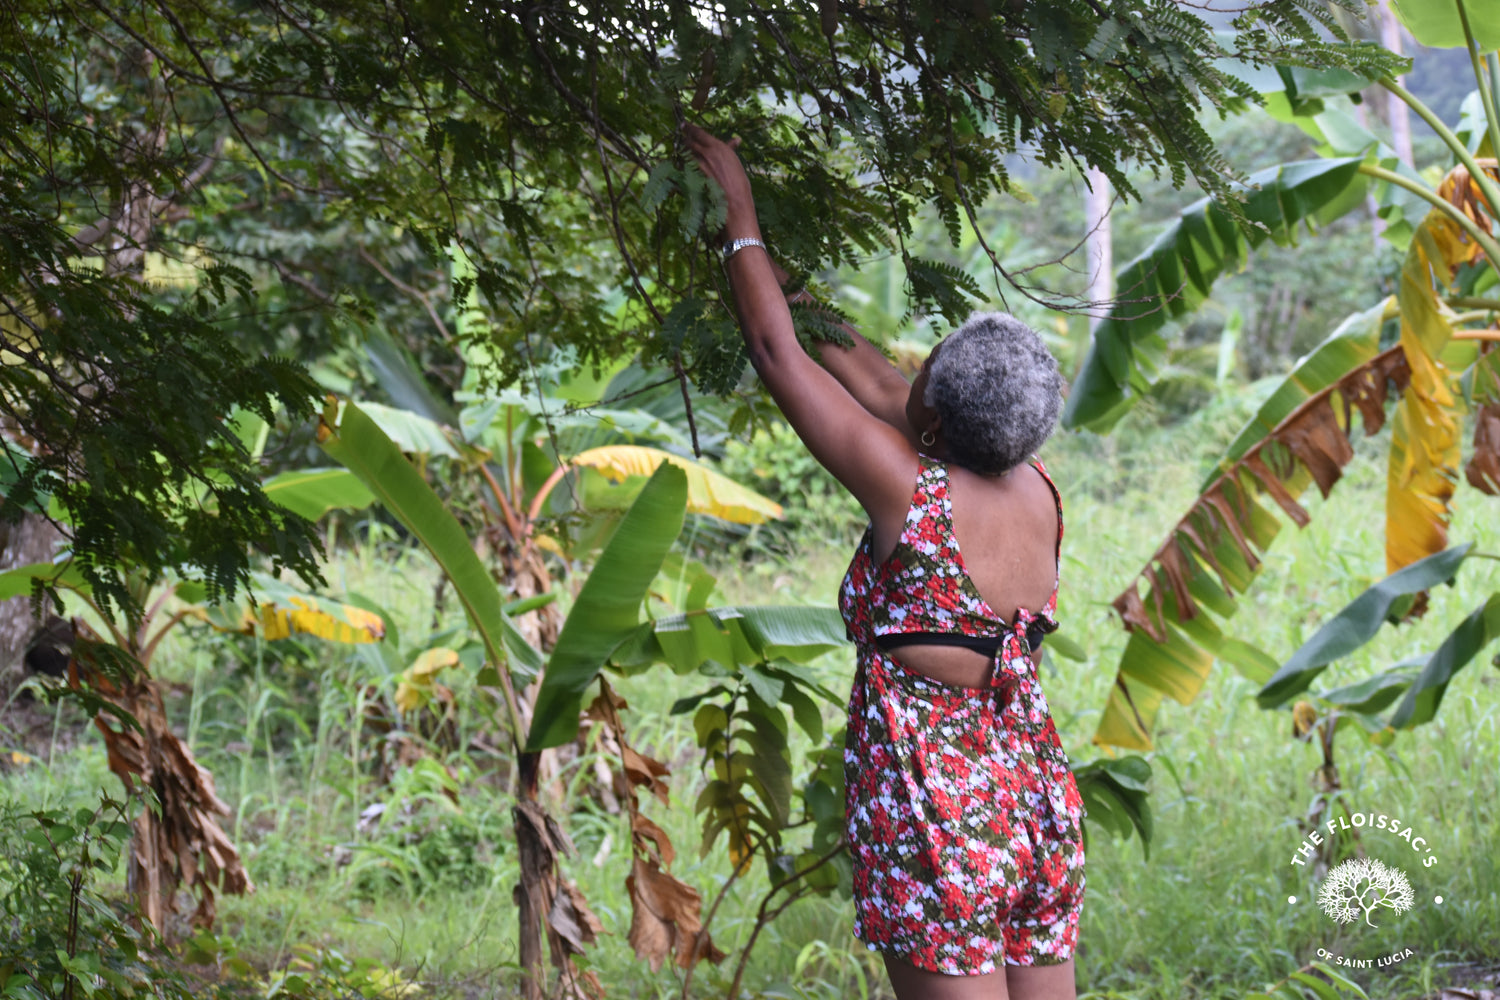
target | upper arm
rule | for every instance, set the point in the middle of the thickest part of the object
(869, 377)
(864, 451)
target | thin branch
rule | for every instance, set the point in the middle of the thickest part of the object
(402, 286)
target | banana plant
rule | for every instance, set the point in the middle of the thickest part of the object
(605, 613)
(178, 838)
(1429, 349)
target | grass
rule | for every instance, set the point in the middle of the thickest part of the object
(297, 737)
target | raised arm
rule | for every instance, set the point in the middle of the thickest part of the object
(871, 458)
(861, 367)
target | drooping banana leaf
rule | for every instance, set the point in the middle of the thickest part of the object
(607, 611)
(1176, 273)
(1357, 623)
(1422, 470)
(1309, 441)
(355, 441)
(709, 492)
(1475, 632)
(314, 492)
(1298, 436)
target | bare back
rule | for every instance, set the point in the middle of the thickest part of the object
(1007, 530)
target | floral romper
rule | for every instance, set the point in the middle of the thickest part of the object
(964, 820)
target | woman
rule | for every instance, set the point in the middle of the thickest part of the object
(963, 818)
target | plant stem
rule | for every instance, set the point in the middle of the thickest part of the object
(1486, 184)
(1486, 95)
(1485, 240)
(1473, 302)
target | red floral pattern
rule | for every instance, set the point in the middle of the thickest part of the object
(964, 819)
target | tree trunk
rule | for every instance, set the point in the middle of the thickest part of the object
(1397, 114)
(1098, 245)
(31, 540)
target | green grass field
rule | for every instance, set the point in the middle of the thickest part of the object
(292, 736)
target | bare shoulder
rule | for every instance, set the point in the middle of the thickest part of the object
(1007, 529)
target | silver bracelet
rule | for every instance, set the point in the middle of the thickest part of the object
(735, 246)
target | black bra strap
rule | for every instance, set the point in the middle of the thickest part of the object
(987, 644)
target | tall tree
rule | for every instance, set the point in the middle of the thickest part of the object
(257, 153)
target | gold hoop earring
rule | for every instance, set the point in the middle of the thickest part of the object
(928, 439)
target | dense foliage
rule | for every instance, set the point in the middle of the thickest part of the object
(192, 185)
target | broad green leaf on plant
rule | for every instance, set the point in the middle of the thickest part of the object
(1337, 133)
(1357, 623)
(1436, 23)
(17, 582)
(1375, 694)
(735, 636)
(1210, 556)
(1481, 628)
(314, 492)
(280, 611)
(357, 442)
(709, 492)
(413, 432)
(607, 610)
(1355, 342)
(1114, 793)
(1177, 271)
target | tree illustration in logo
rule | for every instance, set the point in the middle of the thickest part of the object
(1360, 885)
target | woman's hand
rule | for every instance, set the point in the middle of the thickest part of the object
(722, 165)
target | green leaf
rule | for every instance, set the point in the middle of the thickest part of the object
(1425, 694)
(357, 442)
(17, 582)
(1177, 271)
(1373, 694)
(414, 433)
(607, 610)
(1068, 649)
(1436, 23)
(312, 493)
(1357, 623)
(1320, 989)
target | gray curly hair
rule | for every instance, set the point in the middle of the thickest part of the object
(997, 390)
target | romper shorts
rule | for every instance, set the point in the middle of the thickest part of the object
(964, 820)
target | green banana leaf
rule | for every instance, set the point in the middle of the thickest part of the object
(312, 493)
(1436, 23)
(1375, 694)
(415, 433)
(1357, 623)
(1175, 274)
(734, 636)
(607, 611)
(17, 582)
(1481, 628)
(1115, 796)
(1355, 341)
(355, 441)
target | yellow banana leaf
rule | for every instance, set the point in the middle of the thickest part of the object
(709, 492)
(1425, 452)
(417, 681)
(281, 611)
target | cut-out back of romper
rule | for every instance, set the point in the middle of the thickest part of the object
(964, 820)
